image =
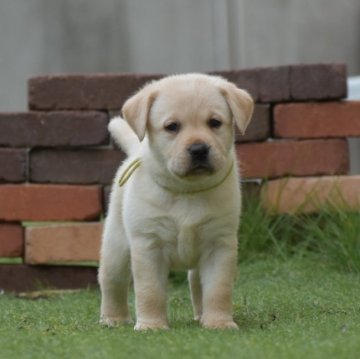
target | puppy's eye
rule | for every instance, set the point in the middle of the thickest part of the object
(214, 123)
(173, 127)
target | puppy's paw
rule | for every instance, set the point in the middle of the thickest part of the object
(115, 321)
(220, 324)
(197, 317)
(140, 326)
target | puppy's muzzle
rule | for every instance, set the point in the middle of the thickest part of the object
(199, 155)
(199, 152)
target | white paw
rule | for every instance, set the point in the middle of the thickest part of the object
(115, 321)
(151, 326)
(219, 324)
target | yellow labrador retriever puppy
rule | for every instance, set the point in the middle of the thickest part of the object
(176, 201)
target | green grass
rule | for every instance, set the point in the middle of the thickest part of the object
(296, 296)
(297, 308)
(333, 234)
(6, 260)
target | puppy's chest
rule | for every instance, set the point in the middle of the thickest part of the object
(182, 242)
(183, 229)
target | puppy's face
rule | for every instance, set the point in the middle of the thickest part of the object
(190, 128)
(189, 121)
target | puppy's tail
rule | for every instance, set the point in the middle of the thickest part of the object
(124, 135)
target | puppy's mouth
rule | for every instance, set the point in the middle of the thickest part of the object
(199, 158)
(200, 169)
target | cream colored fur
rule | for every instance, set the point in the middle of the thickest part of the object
(171, 214)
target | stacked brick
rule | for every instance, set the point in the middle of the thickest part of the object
(57, 161)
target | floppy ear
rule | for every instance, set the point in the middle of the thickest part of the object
(241, 105)
(136, 110)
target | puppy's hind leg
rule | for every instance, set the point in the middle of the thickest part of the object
(114, 273)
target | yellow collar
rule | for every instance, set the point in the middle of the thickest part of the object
(137, 162)
(129, 171)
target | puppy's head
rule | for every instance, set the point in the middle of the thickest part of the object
(189, 121)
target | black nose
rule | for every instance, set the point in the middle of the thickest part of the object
(199, 151)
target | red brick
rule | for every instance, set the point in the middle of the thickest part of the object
(31, 202)
(11, 240)
(297, 158)
(318, 81)
(77, 167)
(109, 91)
(13, 165)
(259, 127)
(247, 79)
(308, 195)
(274, 84)
(23, 277)
(51, 129)
(63, 243)
(265, 84)
(84, 92)
(298, 82)
(317, 120)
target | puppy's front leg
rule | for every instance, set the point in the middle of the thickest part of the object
(150, 273)
(217, 272)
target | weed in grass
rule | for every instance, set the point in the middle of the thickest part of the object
(336, 236)
(263, 234)
(333, 233)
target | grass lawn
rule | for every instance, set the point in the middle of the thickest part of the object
(298, 307)
(296, 296)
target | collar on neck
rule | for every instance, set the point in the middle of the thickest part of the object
(137, 163)
(129, 171)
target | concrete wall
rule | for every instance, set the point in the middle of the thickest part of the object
(41, 36)
(47, 36)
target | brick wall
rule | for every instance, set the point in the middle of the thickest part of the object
(57, 161)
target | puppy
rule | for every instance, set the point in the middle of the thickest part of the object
(175, 202)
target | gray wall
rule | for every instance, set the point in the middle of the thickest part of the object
(54, 36)
(42, 36)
